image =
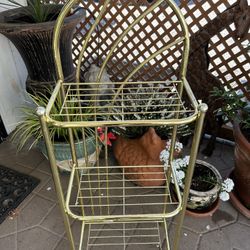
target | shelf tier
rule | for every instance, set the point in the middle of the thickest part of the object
(110, 194)
(130, 235)
(121, 103)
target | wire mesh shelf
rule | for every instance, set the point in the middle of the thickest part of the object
(114, 103)
(110, 193)
(130, 235)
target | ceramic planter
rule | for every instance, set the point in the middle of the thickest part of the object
(34, 43)
(198, 200)
(63, 155)
(241, 173)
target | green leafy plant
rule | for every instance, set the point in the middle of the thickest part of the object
(37, 11)
(233, 106)
(29, 127)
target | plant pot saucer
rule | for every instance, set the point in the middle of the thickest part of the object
(204, 213)
(238, 204)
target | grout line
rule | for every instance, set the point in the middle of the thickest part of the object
(44, 171)
(47, 198)
(57, 243)
(27, 166)
(50, 231)
(198, 243)
(44, 217)
(243, 223)
(26, 202)
(36, 191)
(27, 228)
(41, 171)
(6, 235)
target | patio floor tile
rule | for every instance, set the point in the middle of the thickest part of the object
(8, 226)
(238, 235)
(53, 221)
(189, 240)
(215, 240)
(34, 212)
(8, 242)
(36, 239)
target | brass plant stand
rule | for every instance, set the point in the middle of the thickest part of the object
(115, 212)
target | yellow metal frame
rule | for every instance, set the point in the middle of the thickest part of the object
(74, 105)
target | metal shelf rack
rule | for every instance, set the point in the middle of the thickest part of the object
(114, 211)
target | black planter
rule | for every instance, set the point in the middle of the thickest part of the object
(34, 43)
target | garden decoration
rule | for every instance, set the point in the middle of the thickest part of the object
(30, 29)
(236, 109)
(200, 78)
(104, 90)
(144, 153)
(206, 185)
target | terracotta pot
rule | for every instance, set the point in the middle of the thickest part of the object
(141, 152)
(237, 203)
(241, 173)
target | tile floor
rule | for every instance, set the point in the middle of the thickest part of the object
(37, 223)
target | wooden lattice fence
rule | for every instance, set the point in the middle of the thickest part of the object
(229, 58)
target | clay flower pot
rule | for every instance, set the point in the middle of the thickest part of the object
(141, 152)
(234, 198)
(241, 173)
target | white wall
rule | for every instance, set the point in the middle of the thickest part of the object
(13, 76)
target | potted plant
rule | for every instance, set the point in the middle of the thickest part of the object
(235, 108)
(142, 145)
(206, 185)
(30, 29)
(29, 129)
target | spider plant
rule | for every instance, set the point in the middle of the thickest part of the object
(29, 128)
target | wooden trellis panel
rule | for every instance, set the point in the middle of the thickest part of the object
(229, 59)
